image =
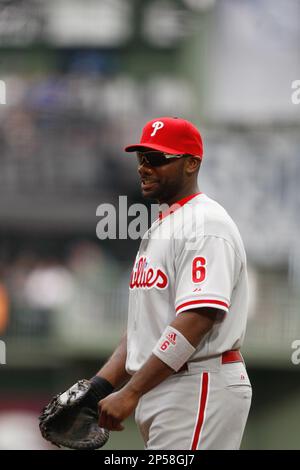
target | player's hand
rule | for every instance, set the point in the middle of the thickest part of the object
(115, 408)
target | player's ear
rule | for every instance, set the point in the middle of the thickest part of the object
(192, 165)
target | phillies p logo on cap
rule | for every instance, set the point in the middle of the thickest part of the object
(156, 125)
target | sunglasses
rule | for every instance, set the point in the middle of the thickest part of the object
(156, 158)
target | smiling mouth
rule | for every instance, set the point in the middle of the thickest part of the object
(148, 186)
(147, 182)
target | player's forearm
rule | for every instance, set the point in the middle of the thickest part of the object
(193, 326)
(153, 372)
(114, 370)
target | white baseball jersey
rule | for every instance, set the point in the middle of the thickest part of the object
(191, 257)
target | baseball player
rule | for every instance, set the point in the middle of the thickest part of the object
(180, 358)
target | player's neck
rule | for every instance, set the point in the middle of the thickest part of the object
(185, 192)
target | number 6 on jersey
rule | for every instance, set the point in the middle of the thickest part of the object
(198, 269)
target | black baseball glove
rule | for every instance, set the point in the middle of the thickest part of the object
(71, 418)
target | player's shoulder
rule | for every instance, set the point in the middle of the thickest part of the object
(216, 221)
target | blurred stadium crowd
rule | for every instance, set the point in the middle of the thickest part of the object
(64, 132)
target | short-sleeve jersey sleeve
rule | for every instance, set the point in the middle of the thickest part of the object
(205, 274)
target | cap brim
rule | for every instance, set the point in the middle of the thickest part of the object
(143, 148)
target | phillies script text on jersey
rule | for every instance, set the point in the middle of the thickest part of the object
(146, 277)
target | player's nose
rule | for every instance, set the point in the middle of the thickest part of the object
(145, 169)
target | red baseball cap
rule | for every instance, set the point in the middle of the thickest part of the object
(170, 135)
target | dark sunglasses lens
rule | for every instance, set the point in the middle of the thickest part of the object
(156, 159)
(152, 158)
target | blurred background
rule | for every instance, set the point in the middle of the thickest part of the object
(81, 78)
